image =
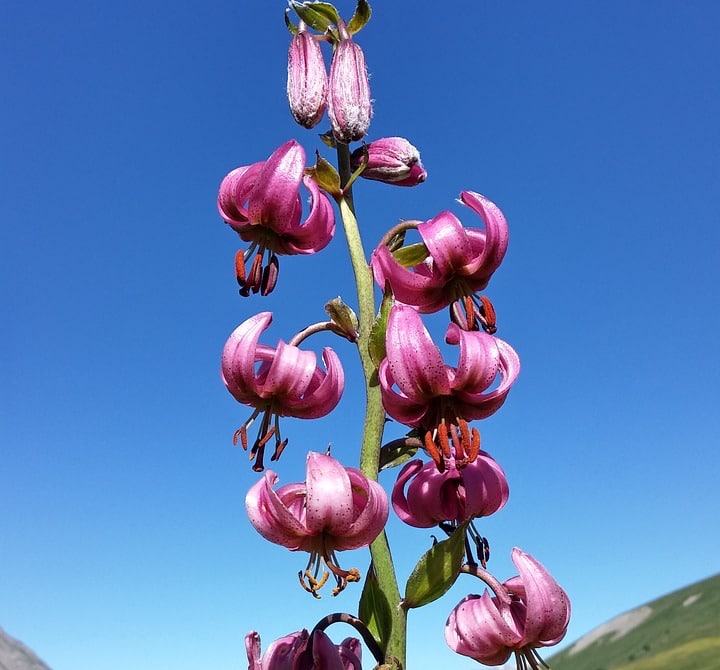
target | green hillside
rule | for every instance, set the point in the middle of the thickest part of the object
(680, 631)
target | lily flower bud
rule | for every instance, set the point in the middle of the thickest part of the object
(307, 79)
(392, 160)
(349, 105)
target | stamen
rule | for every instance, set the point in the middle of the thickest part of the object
(458, 445)
(255, 276)
(474, 450)
(269, 276)
(240, 267)
(487, 315)
(442, 438)
(471, 321)
(433, 452)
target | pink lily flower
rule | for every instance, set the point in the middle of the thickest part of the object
(301, 651)
(262, 203)
(335, 509)
(460, 260)
(287, 382)
(534, 612)
(421, 391)
(460, 492)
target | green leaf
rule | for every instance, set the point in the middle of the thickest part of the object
(376, 344)
(326, 176)
(411, 255)
(374, 609)
(436, 571)
(360, 17)
(290, 25)
(318, 15)
(395, 454)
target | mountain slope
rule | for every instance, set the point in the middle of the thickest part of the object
(14, 655)
(679, 631)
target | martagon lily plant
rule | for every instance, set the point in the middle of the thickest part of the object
(281, 206)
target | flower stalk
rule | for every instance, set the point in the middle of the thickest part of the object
(374, 411)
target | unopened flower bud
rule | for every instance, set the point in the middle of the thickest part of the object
(307, 79)
(349, 104)
(392, 160)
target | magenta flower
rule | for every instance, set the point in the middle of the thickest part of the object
(534, 612)
(301, 651)
(460, 492)
(460, 260)
(421, 391)
(307, 78)
(335, 509)
(392, 160)
(349, 105)
(287, 382)
(262, 203)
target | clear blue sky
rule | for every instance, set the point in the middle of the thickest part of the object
(594, 125)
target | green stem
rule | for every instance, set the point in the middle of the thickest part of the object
(374, 411)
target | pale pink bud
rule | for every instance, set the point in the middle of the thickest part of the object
(392, 160)
(349, 104)
(307, 79)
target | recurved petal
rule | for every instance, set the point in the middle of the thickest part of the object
(370, 512)
(290, 373)
(239, 356)
(411, 516)
(496, 233)
(275, 200)
(317, 230)
(548, 606)
(351, 653)
(479, 359)
(233, 194)
(486, 487)
(447, 242)
(283, 653)
(252, 648)
(479, 405)
(416, 363)
(328, 656)
(481, 628)
(271, 517)
(421, 290)
(398, 406)
(329, 507)
(323, 393)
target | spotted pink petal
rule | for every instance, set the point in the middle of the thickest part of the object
(416, 363)
(548, 606)
(482, 629)
(271, 516)
(329, 496)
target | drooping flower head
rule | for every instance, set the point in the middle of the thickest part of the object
(307, 78)
(349, 105)
(534, 612)
(302, 651)
(262, 203)
(421, 391)
(461, 491)
(280, 381)
(334, 509)
(459, 262)
(392, 160)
